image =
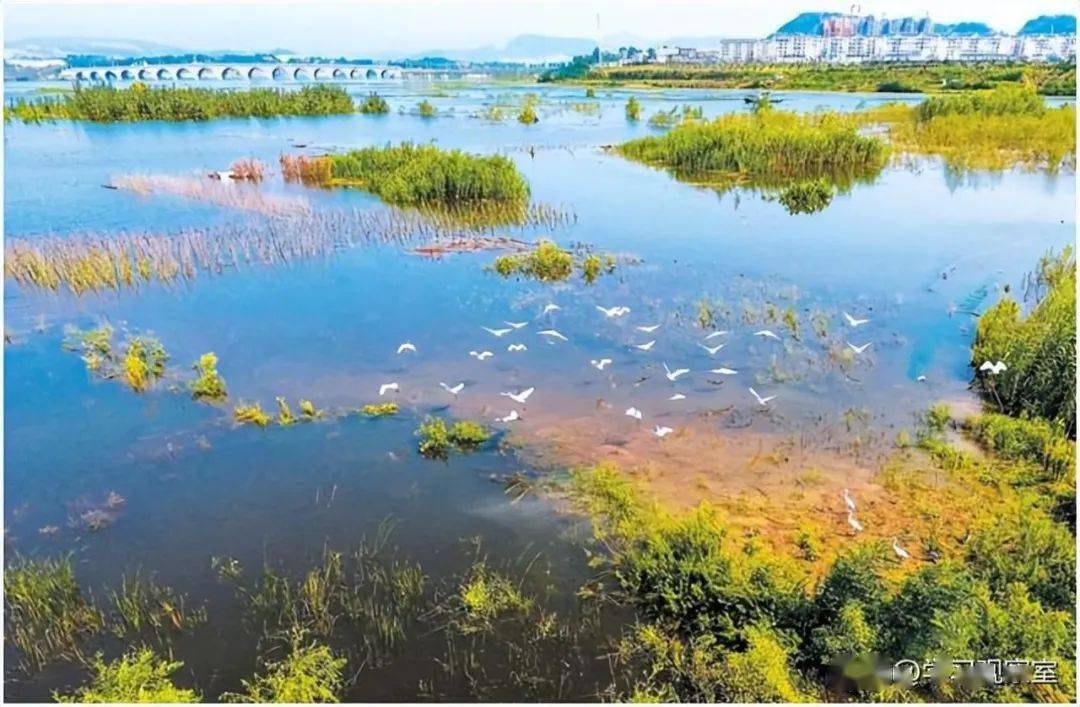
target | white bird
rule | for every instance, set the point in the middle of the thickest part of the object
(853, 321)
(509, 418)
(553, 334)
(515, 325)
(599, 365)
(859, 349)
(612, 312)
(673, 375)
(481, 355)
(661, 431)
(900, 552)
(768, 333)
(634, 413)
(519, 397)
(517, 347)
(849, 501)
(648, 329)
(854, 523)
(453, 390)
(715, 334)
(723, 371)
(920, 379)
(677, 396)
(550, 307)
(712, 349)
(387, 386)
(406, 347)
(497, 332)
(993, 368)
(646, 346)
(761, 400)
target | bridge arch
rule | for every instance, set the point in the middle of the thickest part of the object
(185, 73)
(386, 74)
(164, 75)
(355, 74)
(127, 75)
(95, 76)
(371, 74)
(110, 76)
(321, 73)
(300, 73)
(146, 75)
(256, 72)
(230, 74)
(80, 75)
(340, 74)
(206, 73)
(279, 74)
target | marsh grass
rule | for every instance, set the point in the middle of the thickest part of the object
(437, 438)
(208, 385)
(250, 414)
(233, 194)
(309, 673)
(633, 109)
(485, 596)
(426, 109)
(145, 607)
(285, 414)
(548, 262)
(137, 676)
(144, 362)
(807, 197)
(379, 409)
(47, 615)
(374, 104)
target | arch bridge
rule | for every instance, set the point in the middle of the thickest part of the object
(150, 73)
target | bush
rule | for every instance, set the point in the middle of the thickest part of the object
(1036, 441)
(308, 674)
(374, 104)
(633, 109)
(208, 385)
(1002, 100)
(548, 262)
(379, 409)
(467, 434)
(252, 413)
(807, 197)
(426, 109)
(138, 676)
(436, 437)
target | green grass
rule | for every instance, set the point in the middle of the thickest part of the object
(145, 607)
(437, 438)
(47, 615)
(144, 362)
(633, 109)
(769, 149)
(309, 673)
(486, 595)
(208, 384)
(379, 409)
(138, 676)
(374, 104)
(419, 175)
(426, 109)
(548, 262)
(250, 414)
(105, 104)
(807, 197)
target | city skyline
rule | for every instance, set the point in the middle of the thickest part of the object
(365, 27)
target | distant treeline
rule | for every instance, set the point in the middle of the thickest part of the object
(105, 104)
(1049, 79)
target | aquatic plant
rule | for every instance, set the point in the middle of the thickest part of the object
(1002, 100)
(527, 115)
(1035, 440)
(247, 169)
(285, 414)
(250, 413)
(46, 612)
(425, 109)
(590, 92)
(309, 412)
(245, 197)
(773, 148)
(144, 362)
(143, 606)
(105, 104)
(633, 109)
(208, 384)
(309, 673)
(137, 676)
(436, 438)
(379, 409)
(466, 434)
(550, 263)
(1039, 349)
(484, 596)
(374, 104)
(95, 344)
(807, 197)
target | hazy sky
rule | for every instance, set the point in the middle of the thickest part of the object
(367, 27)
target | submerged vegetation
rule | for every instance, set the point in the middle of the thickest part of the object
(137, 676)
(379, 409)
(208, 384)
(105, 104)
(374, 104)
(550, 263)
(418, 175)
(309, 673)
(437, 438)
(140, 365)
(807, 197)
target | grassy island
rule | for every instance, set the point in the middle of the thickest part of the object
(105, 104)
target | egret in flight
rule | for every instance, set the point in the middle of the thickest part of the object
(761, 400)
(993, 368)
(723, 371)
(515, 325)
(612, 312)
(481, 355)
(599, 365)
(853, 321)
(517, 347)
(648, 329)
(673, 375)
(859, 349)
(519, 397)
(453, 390)
(551, 333)
(406, 347)
(661, 431)
(646, 346)
(497, 332)
(767, 333)
(633, 412)
(387, 386)
(712, 349)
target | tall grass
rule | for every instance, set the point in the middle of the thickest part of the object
(105, 104)
(137, 676)
(417, 175)
(770, 148)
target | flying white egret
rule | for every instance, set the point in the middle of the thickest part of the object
(761, 400)
(673, 375)
(517, 347)
(723, 371)
(677, 396)
(387, 386)
(551, 333)
(481, 355)
(550, 307)
(633, 412)
(712, 349)
(406, 347)
(661, 431)
(515, 325)
(715, 334)
(849, 501)
(853, 321)
(509, 418)
(497, 332)
(900, 552)
(453, 390)
(767, 333)
(612, 312)
(648, 329)
(521, 397)
(920, 379)
(599, 365)
(993, 368)
(859, 349)
(646, 346)
(854, 523)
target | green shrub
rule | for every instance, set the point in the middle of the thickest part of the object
(425, 109)
(208, 384)
(379, 409)
(807, 197)
(547, 262)
(374, 104)
(251, 413)
(467, 434)
(436, 437)
(309, 673)
(1002, 100)
(633, 109)
(1036, 441)
(138, 676)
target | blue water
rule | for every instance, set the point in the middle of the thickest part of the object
(328, 328)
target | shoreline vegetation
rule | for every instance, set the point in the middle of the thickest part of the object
(1051, 80)
(138, 102)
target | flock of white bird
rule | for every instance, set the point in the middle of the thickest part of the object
(857, 527)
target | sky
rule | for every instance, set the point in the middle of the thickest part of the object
(369, 27)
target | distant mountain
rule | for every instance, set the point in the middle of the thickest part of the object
(964, 29)
(528, 48)
(1050, 24)
(806, 23)
(53, 47)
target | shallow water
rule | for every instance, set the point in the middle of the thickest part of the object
(918, 252)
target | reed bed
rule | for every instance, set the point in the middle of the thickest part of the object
(105, 104)
(248, 169)
(96, 262)
(227, 193)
